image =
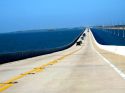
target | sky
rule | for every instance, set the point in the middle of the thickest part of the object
(17, 15)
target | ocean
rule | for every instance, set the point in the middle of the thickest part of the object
(109, 36)
(24, 44)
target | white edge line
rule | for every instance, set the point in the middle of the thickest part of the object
(107, 61)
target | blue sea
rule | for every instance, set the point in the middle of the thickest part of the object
(21, 44)
(109, 36)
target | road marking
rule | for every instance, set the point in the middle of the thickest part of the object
(107, 61)
(113, 66)
(10, 82)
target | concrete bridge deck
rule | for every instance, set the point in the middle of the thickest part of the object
(79, 69)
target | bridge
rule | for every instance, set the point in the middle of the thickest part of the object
(78, 69)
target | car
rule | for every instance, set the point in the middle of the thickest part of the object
(78, 43)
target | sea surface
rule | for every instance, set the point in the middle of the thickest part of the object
(23, 44)
(109, 36)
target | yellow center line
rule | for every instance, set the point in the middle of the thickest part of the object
(12, 81)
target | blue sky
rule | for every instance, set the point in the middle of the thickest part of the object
(37, 14)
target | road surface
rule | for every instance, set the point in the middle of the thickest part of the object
(79, 69)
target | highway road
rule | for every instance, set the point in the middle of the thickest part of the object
(79, 69)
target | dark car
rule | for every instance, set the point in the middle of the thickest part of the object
(82, 38)
(84, 35)
(78, 43)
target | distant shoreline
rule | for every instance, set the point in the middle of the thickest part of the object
(112, 27)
